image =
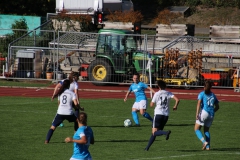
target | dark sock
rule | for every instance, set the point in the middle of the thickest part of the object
(49, 135)
(75, 126)
(146, 115)
(160, 132)
(76, 112)
(150, 142)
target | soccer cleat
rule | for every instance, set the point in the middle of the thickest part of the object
(168, 134)
(207, 149)
(61, 125)
(204, 145)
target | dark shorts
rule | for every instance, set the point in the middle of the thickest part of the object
(60, 118)
(159, 121)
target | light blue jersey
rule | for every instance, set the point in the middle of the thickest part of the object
(80, 151)
(139, 91)
(208, 102)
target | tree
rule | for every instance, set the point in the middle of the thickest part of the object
(27, 7)
(19, 29)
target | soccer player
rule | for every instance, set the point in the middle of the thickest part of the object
(207, 105)
(65, 111)
(73, 87)
(81, 139)
(161, 112)
(140, 103)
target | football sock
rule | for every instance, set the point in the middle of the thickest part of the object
(76, 113)
(200, 136)
(75, 125)
(146, 115)
(49, 134)
(135, 117)
(207, 136)
(150, 142)
(160, 132)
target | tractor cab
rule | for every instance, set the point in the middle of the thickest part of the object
(117, 46)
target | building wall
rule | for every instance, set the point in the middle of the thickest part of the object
(6, 22)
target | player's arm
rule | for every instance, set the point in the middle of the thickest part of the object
(176, 102)
(216, 108)
(55, 90)
(150, 89)
(152, 104)
(76, 92)
(126, 96)
(76, 105)
(83, 140)
(198, 107)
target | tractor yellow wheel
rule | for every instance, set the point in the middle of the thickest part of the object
(144, 78)
(99, 72)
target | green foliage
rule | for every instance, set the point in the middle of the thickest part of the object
(193, 3)
(25, 123)
(27, 7)
(19, 28)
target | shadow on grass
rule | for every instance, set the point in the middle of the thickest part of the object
(177, 125)
(214, 149)
(123, 141)
(226, 149)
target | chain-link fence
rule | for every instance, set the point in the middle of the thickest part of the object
(112, 56)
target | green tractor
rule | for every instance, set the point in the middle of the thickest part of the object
(118, 58)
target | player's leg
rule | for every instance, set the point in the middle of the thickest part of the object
(73, 118)
(135, 109)
(162, 122)
(152, 137)
(207, 136)
(207, 125)
(56, 122)
(200, 122)
(143, 107)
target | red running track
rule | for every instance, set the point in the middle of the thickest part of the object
(88, 90)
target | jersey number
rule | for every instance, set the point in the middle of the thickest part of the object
(64, 99)
(163, 101)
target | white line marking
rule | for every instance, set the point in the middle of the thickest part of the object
(188, 155)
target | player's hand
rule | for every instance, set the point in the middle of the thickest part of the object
(125, 99)
(174, 108)
(196, 116)
(68, 139)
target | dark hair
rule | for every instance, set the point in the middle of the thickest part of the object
(82, 118)
(207, 87)
(70, 77)
(65, 85)
(161, 84)
(136, 74)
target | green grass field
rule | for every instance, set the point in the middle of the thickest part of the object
(24, 83)
(25, 123)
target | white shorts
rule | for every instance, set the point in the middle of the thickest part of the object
(140, 105)
(204, 119)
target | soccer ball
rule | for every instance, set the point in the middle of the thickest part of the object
(127, 123)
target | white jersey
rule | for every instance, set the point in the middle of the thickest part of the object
(65, 102)
(73, 86)
(162, 99)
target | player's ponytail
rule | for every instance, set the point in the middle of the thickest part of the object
(82, 118)
(65, 85)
